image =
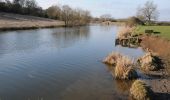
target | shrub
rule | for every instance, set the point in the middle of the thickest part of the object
(140, 91)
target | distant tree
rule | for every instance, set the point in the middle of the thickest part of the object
(105, 17)
(31, 7)
(148, 12)
(16, 8)
(54, 12)
(31, 4)
(133, 21)
(70, 16)
(22, 3)
(66, 14)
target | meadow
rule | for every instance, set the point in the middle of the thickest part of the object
(163, 31)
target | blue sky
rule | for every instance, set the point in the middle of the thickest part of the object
(117, 8)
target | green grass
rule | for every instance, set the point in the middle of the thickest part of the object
(163, 31)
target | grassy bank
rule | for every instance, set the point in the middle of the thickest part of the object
(10, 21)
(163, 31)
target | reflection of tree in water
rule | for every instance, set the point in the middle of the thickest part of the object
(18, 40)
(69, 36)
(106, 28)
(45, 38)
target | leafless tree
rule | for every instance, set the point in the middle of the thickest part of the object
(66, 14)
(54, 12)
(31, 4)
(105, 17)
(148, 12)
(71, 17)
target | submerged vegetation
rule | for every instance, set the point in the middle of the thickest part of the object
(140, 91)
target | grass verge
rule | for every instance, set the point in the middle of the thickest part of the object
(163, 31)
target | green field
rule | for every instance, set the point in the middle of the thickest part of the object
(163, 31)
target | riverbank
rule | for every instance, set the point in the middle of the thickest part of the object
(160, 46)
(161, 79)
(18, 22)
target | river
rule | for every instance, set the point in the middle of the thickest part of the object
(60, 64)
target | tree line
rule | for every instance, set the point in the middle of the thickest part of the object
(25, 7)
(69, 15)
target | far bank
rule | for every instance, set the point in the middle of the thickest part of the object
(18, 22)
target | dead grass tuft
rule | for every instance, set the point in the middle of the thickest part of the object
(150, 62)
(157, 44)
(125, 69)
(140, 91)
(111, 59)
(125, 32)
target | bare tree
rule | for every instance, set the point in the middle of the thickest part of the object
(54, 12)
(105, 17)
(31, 3)
(71, 17)
(66, 14)
(148, 12)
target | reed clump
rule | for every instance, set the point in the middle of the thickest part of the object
(112, 58)
(140, 91)
(125, 69)
(149, 62)
(125, 32)
(159, 45)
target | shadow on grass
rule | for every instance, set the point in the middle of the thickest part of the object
(157, 32)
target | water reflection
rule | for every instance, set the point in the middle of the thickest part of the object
(59, 64)
(69, 36)
(123, 86)
(17, 41)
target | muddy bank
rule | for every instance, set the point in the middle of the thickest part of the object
(160, 79)
(18, 22)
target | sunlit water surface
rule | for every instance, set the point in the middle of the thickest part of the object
(60, 64)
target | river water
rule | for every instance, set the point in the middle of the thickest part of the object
(60, 64)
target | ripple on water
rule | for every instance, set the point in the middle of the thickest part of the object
(61, 63)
